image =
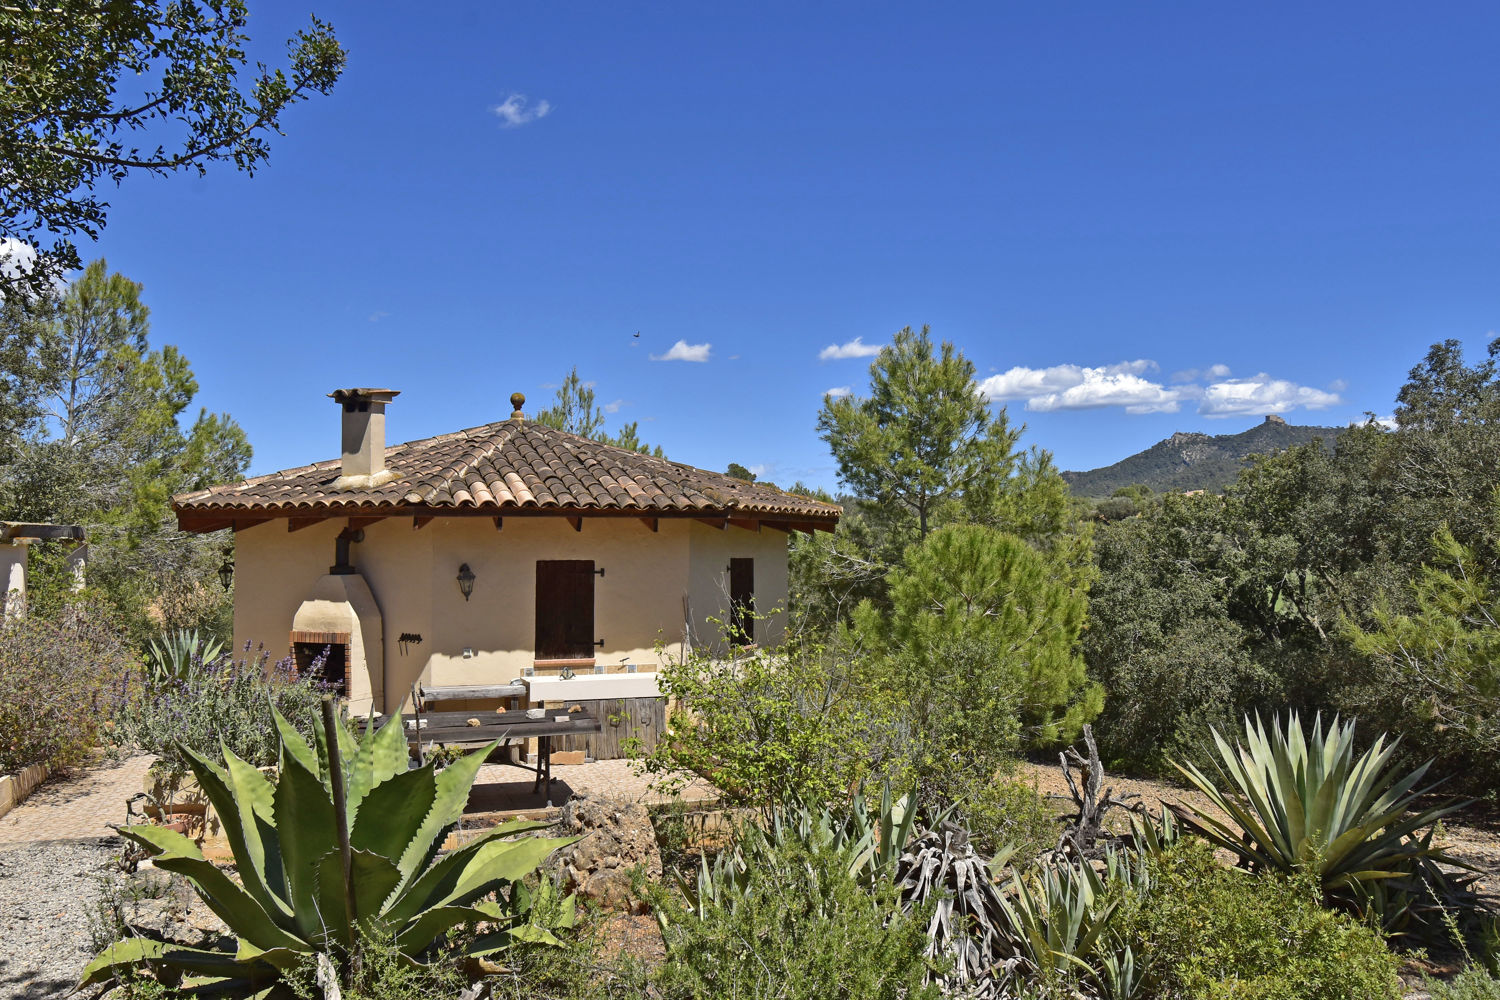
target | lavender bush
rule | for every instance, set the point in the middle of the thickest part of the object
(59, 676)
(222, 699)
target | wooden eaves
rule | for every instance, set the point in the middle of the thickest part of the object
(202, 521)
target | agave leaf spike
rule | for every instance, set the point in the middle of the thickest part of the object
(244, 808)
(230, 902)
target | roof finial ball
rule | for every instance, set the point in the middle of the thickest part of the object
(517, 400)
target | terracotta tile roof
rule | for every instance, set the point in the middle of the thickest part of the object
(511, 465)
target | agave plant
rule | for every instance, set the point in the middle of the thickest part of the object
(1296, 800)
(302, 897)
(1058, 921)
(968, 925)
(871, 843)
(171, 655)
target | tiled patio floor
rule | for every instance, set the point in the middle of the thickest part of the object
(78, 807)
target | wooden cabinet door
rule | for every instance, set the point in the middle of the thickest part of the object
(564, 609)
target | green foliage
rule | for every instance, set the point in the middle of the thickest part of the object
(800, 925)
(870, 844)
(767, 726)
(105, 449)
(738, 471)
(1306, 802)
(982, 641)
(1002, 812)
(576, 412)
(1161, 638)
(294, 901)
(1207, 932)
(82, 83)
(1473, 983)
(170, 656)
(221, 703)
(1441, 661)
(61, 676)
(1058, 921)
(924, 443)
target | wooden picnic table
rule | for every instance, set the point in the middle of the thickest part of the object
(453, 729)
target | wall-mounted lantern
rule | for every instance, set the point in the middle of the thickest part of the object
(226, 573)
(465, 580)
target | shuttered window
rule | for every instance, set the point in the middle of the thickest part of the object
(742, 601)
(564, 609)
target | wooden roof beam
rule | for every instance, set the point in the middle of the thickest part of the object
(748, 523)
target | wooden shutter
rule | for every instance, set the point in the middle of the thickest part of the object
(564, 609)
(742, 601)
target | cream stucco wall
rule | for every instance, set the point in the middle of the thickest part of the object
(654, 583)
(710, 552)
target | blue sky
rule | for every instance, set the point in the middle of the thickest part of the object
(1133, 218)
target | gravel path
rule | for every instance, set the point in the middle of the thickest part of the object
(48, 891)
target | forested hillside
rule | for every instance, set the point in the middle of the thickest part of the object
(1189, 461)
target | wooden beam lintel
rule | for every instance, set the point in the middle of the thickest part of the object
(576, 521)
(653, 523)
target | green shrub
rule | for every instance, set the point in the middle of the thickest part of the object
(1473, 983)
(982, 643)
(222, 702)
(1215, 933)
(766, 727)
(1002, 812)
(800, 926)
(61, 676)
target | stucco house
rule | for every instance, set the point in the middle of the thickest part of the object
(471, 557)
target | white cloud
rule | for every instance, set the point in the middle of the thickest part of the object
(613, 407)
(855, 348)
(1389, 423)
(517, 110)
(1074, 387)
(839, 391)
(378, 315)
(1194, 374)
(1260, 395)
(683, 351)
(16, 257)
(762, 470)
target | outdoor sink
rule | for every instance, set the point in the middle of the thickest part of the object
(592, 687)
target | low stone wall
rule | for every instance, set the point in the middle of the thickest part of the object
(15, 787)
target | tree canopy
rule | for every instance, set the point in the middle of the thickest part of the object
(924, 440)
(98, 91)
(575, 411)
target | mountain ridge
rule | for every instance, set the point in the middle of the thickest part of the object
(1192, 460)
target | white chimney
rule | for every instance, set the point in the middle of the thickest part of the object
(363, 459)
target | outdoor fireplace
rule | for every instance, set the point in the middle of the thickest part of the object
(334, 647)
(341, 615)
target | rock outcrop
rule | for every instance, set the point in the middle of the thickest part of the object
(617, 837)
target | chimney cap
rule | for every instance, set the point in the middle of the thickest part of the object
(517, 400)
(368, 395)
